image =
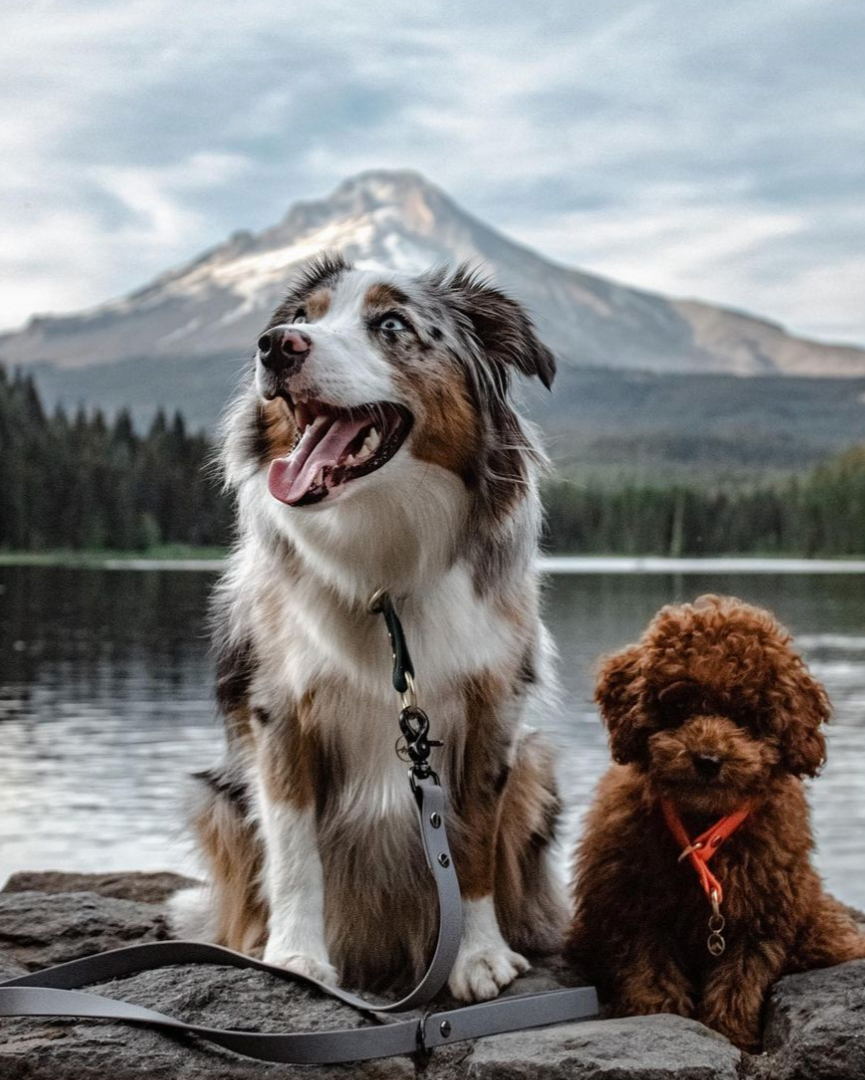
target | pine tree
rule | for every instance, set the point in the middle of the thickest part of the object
(93, 482)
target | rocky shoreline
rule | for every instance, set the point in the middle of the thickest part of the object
(815, 1025)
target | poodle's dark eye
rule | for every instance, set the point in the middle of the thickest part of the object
(679, 701)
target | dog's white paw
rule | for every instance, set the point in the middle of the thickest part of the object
(482, 973)
(192, 914)
(310, 967)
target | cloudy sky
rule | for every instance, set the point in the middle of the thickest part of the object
(700, 148)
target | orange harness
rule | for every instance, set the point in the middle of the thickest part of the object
(698, 853)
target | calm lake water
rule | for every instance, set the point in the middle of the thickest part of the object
(105, 704)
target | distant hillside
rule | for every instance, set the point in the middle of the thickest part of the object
(183, 338)
(705, 421)
(628, 418)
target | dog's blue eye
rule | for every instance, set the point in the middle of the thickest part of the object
(300, 316)
(392, 324)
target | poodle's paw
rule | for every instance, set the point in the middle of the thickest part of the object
(482, 973)
(310, 967)
(647, 1001)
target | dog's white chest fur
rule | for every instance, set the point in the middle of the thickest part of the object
(306, 639)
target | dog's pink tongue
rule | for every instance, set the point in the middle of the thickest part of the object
(323, 443)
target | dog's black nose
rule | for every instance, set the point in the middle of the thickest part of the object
(282, 350)
(707, 765)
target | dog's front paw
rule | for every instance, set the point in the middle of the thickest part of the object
(310, 967)
(482, 973)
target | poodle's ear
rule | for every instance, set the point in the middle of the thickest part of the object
(801, 706)
(617, 692)
(502, 326)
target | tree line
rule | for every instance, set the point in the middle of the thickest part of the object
(83, 482)
(821, 513)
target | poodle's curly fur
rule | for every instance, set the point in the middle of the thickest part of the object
(717, 680)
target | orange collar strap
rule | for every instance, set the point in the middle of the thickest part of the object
(699, 851)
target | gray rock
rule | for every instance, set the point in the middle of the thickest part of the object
(648, 1047)
(815, 1025)
(9, 969)
(856, 915)
(150, 888)
(220, 997)
(38, 929)
(816, 1022)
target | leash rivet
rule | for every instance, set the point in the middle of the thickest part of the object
(444, 860)
(435, 820)
(445, 1028)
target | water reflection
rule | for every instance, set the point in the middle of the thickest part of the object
(105, 704)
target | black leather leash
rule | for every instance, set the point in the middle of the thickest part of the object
(56, 991)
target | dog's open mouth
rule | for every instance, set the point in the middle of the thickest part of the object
(334, 447)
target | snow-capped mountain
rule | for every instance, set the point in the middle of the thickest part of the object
(644, 381)
(216, 304)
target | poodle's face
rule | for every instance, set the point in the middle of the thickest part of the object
(713, 704)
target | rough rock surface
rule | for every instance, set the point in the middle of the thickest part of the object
(816, 1025)
(641, 1046)
(815, 1022)
(148, 888)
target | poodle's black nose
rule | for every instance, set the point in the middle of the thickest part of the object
(707, 765)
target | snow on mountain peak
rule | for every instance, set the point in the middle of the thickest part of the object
(216, 303)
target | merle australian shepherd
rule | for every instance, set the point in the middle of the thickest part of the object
(375, 447)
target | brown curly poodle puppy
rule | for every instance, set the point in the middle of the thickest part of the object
(713, 720)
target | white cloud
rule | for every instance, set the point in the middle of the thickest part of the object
(825, 300)
(675, 248)
(684, 146)
(58, 255)
(156, 197)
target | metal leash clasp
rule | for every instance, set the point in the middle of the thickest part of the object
(414, 725)
(413, 745)
(715, 942)
(409, 698)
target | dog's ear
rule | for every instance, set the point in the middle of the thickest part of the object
(502, 326)
(617, 691)
(800, 707)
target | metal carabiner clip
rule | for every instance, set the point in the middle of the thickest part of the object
(409, 698)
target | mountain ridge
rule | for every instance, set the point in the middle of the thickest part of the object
(217, 301)
(644, 380)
